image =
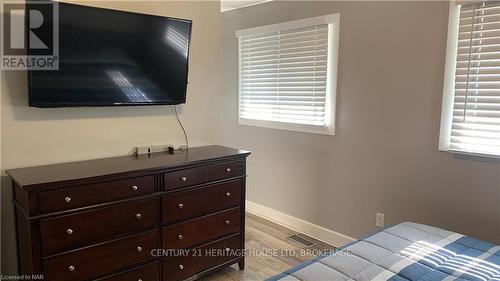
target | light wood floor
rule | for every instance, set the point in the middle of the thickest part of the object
(263, 235)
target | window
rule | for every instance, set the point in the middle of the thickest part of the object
(288, 73)
(471, 103)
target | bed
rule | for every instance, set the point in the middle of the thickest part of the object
(406, 251)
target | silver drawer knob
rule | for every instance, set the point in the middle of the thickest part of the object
(134, 187)
(180, 236)
(180, 205)
(139, 249)
(181, 267)
(228, 194)
(228, 170)
(138, 216)
(184, 179)
(139, 279)
(69, 231)
(67, 199)
(228, 222)
(71, 268)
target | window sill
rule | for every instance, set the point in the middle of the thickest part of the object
(327, 130)
(470, 153)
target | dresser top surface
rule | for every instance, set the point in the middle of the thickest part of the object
(33, 177)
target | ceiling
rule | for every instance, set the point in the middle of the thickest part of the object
(227, 5)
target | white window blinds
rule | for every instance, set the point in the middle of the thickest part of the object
(284, 76)
(475, 124)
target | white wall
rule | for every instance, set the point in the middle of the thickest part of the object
(32, 136)
(384, 156)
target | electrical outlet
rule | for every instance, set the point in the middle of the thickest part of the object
(148, 149)
(159, 148)
(143, 149)
(380, 220)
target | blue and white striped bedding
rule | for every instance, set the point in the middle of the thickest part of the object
(407, 251)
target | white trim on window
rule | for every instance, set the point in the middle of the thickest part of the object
(470, 118)
(328, 19)
(449, 77)
(332, 21)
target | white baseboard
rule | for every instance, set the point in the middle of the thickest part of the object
(315, 231)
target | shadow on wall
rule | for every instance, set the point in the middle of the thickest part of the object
(17, 91)
(8, 247)
(476, 158)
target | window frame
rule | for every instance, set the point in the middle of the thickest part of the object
(449, 85)
(333, 21)
(449, 77)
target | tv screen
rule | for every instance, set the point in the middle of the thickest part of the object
(109, 57)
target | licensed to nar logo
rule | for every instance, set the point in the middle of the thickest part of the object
(30, 35)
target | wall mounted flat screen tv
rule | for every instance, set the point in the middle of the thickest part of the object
(109, 58)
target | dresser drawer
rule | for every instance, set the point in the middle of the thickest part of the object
(202, 174)
(193, 203)
(101, 259)
(201, 230)
(75, 197)
(81, 229)
(148, 272)
(202, 258)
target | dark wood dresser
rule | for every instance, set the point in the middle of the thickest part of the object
(138, 218)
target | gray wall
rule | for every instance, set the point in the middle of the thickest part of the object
(384, 155)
